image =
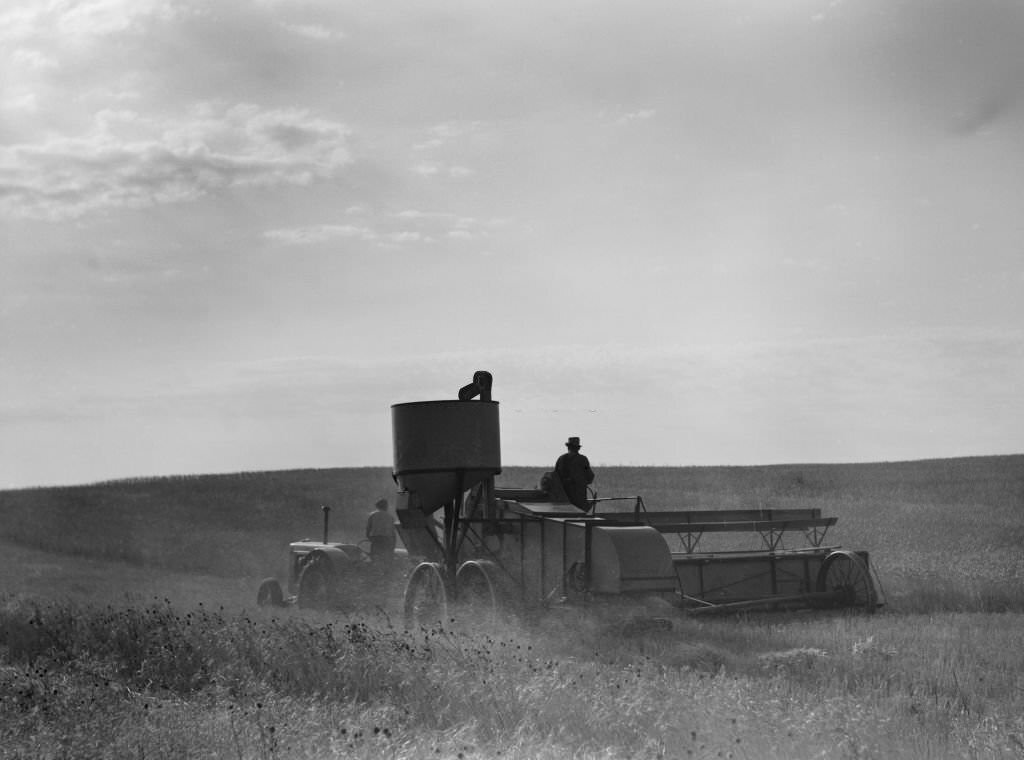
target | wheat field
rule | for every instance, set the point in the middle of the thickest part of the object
(128, 629)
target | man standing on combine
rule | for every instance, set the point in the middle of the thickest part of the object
(380, 529)
(573, 469)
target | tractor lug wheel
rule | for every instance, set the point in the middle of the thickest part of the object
(270, 594)
(316, 585)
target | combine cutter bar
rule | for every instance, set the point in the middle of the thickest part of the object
(844, 581)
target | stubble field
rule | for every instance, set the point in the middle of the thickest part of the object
(128, 629)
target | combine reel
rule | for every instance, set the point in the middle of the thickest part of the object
(845, 575)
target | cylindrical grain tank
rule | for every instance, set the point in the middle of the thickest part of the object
(443, 448)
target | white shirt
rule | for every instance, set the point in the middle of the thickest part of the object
(380, 524)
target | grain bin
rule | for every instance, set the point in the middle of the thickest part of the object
(443, 448)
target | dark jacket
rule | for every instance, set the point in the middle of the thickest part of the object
(573, 469)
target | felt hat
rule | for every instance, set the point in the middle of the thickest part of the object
(573, 442)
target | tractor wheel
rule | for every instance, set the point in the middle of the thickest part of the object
(846, 574)
(426, 598)
(270, 594)
(477, 593)
(316, 585)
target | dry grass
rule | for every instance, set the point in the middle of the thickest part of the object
(157, 681)
(86, 671)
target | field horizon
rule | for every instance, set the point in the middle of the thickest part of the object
(521, 467)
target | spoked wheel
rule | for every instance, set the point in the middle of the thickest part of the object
(477, 593)
(845, 574)
(315, 585)
(426, 599)
(270, 594)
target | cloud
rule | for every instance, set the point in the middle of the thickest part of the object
(133, 160)
(426, 170)
(314, 31)
(412, 213)
(319, 233)
(408, 236)
(438, 155)
(644, 114)
(57, 55)
(447, 132)
(442, 170)
(945, 64)
(82, 21)
(405, 227)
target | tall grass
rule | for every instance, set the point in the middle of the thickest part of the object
(160, 681)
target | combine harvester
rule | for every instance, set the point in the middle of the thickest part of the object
(487, 550)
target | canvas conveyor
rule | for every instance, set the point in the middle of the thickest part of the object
(771, 576)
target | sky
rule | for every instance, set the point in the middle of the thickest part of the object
(690, 232)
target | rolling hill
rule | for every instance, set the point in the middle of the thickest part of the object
(928, 524)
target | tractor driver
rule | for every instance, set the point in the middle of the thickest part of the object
(573, 470)
(380, 529)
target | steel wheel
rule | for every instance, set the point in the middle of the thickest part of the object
(477, 593)
(846, 574)
(315, 585)
(270, 594)
(426, 599)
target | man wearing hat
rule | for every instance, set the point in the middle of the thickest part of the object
(573, 469)
(380, 529)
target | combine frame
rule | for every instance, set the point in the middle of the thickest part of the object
(488, 549)
(773, 576)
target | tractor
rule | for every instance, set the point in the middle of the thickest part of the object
(324, 575)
